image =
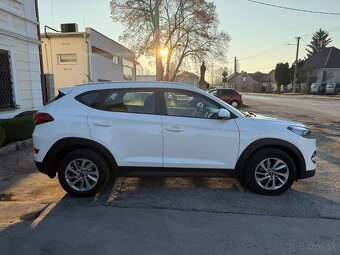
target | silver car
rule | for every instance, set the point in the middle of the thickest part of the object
(332, 88)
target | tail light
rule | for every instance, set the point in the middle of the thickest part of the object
(41, 117)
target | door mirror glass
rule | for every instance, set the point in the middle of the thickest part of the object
(223, 114)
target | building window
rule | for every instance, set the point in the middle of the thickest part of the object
(6, 82)
(67, 59)
(115, 59)
(128, 67)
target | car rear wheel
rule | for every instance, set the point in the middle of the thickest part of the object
(83, 173)
(235, 104)
(270, 171)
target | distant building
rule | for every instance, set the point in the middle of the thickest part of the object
(323, 66)
(80, 57)
(188, 77)
(147, 77)
(20, 82)
(269, 83)
(247, 82)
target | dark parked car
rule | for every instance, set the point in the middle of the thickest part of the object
(230, 96)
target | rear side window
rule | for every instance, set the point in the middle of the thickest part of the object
(227, 92)
(129, 101)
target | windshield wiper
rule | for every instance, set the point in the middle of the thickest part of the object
(248, 114)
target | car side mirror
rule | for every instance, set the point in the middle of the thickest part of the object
(223, 114)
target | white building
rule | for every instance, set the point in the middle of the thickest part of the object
(323, 66)
(20, 83)
(80, 57)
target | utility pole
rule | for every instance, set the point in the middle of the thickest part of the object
(235, 66)
(296, 62)
(159, 67)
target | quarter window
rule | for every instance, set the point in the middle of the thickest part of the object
(189, 104)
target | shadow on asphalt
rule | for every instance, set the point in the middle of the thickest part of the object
(44, 232)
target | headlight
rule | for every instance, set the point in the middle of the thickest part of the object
(302, 131)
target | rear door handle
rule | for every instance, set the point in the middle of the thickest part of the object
(174, 129)
(102, 123)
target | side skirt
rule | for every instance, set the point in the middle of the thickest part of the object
(174, 172)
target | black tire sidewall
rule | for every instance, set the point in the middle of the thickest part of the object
(260, 155)
(91, 155)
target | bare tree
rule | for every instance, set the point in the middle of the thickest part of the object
(189, 31)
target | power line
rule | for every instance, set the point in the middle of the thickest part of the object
(266, 51)
(294, 9)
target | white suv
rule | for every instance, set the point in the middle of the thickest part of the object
(92, 131)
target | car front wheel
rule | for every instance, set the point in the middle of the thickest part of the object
(83, 173)
(270, 171)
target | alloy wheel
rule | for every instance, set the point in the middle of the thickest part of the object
(271, 173)
(81, 174)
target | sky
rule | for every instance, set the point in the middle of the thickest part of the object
(259, 34)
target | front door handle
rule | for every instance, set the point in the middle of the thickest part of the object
(174, 129)
(103, 123)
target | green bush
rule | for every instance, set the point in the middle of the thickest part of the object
(2, 135)
(17, 129)
(23, 114)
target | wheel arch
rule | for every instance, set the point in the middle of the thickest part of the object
(283, 145)
(64, 146)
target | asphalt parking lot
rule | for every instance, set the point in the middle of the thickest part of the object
(181, 215)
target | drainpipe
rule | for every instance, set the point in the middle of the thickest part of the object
(43, 87)
(88, 75)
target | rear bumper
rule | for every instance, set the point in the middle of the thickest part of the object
(307, 174)
(43, 168)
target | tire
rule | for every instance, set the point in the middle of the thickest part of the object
(87, 169)
(235, 104)
(267, 180)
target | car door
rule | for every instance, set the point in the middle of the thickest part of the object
(128, 123)
(193, 135)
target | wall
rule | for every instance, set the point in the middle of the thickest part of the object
(103, 68)
(18, 35)
(247, 85)
(332, 74)
(70, 74)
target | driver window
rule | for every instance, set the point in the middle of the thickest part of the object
(190, 104)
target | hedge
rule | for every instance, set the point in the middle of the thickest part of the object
(26, 113)
(17, 129)
(2, 135)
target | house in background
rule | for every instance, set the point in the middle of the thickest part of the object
(20, 81)
(323, 66)
(80, 57)
(269, 83)
(146, 77)
(247, 82)
(188, 77)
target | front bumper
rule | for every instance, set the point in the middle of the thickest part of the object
(306, 174)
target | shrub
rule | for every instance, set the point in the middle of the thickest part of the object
(26, 113)
(2, 135)
(17, 129)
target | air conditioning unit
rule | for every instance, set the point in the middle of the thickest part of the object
(69, 28)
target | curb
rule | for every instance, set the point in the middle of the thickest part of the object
(16, 146)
